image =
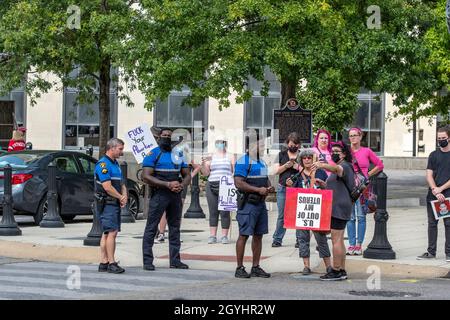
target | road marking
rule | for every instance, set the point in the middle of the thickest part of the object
(409, 280)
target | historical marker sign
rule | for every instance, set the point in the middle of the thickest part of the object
(289, 120)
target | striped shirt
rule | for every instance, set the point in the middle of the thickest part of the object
(220, 166)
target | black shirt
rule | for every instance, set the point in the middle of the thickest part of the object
(439, 162)
(283, 157)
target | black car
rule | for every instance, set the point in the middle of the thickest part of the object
(75, 182)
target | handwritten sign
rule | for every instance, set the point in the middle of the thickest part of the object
(308, 209)
(141, 141)
(227, 194)
(287, 121)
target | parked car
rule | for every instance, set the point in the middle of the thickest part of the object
(75, 183)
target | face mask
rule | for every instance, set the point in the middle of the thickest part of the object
(220, 146)
(443, 143)
(165, 143)
(293, 149)
(335, 157)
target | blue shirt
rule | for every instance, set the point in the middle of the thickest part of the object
(169, 164)
(258, 174)
(107, 169)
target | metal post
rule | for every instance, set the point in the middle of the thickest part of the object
(380, 248)
(8, 226)
(125, 215)
(195, 210)
(52, 219)
(95, 235)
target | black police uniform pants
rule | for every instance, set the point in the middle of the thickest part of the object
(170, 202)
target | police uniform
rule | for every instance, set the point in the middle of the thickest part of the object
(108, 207)
(167, 167)
(253, 217)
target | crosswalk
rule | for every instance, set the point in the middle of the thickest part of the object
(42, 280)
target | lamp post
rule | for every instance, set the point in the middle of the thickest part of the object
(195, 210)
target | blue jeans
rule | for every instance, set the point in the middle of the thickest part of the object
(357, 213)
(280, 231)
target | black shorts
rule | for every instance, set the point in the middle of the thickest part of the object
(338, 224)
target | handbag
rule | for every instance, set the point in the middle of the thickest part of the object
(361, 183)
(215, 187)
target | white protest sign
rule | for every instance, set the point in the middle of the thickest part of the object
(309, 209)
(142, 141)
(227, 194)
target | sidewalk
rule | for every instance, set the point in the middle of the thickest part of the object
(407, 233)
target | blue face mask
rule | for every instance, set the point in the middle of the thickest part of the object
(220, 146)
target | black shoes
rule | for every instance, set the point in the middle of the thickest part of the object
(276, 244)
(115, 268)
(149, 267)
(179, 265)
(259, 272)
(103, 267)
(334, 275)
(241, 273)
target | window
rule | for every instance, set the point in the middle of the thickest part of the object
(259, 109)
(82, 120)
(18, 96)
(369, 118)
(66, 164)
(172, 114)
(87, 165)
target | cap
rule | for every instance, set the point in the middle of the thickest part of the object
(22, 129)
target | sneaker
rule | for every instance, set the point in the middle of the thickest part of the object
(357, 251)
(115, 268)
(103, 267)
(297, 245)
(212, 239)
(350, 250)
(329, 269)
(334, 275)
(343, 274)
(160, 238)
(425, 256)
(225, 240)
(306, 271)
(276, 244)
(259, 272)
(447, 258)
(179, 265)
(241, 273)
(149, 267)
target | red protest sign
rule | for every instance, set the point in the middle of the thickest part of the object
(308, 209)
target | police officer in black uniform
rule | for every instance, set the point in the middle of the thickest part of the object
(168, 175)
(110, 195)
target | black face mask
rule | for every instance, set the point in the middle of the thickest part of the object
(335, 157)
(443, 143)
(293, 149)
(165, 143)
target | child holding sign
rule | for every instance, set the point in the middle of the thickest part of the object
(306, 179)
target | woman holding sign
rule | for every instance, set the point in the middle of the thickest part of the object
(340, 181)
(217, 166)
(306, 179)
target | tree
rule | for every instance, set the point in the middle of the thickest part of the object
(323, 52)
(54, 36)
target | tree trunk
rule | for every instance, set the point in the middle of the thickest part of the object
(104, 105)
(288, 87)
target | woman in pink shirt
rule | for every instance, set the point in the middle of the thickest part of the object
(322, 147)
(362, 158)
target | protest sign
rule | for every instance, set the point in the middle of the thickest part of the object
(441, 210)
(227, 194)
(142, 141)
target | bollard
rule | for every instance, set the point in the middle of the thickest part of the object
(8, 226)
(195, 210)
(95, 235)
(125, 215)
(380, 248)
(52, 219)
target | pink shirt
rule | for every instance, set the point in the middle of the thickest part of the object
(324, 156)
(365, 156)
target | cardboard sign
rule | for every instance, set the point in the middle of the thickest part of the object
(441, 210)
(227, 194)
(142, 141)
(308, 209)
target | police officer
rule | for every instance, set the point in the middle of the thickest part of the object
(111, 195)
(251, 179)
(168, 175)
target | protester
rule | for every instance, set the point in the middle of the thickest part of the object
(340, 182)
(17, 143)
(286, 166)
(215, 167)
(306, 179)
(322, 147)
(362, 158)
(438, 178)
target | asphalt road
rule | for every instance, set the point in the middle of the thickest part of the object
(20, 279)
